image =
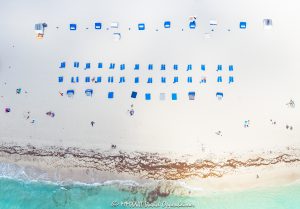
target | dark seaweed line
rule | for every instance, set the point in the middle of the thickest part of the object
(144, 164)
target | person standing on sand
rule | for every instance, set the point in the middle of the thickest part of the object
(92, 123)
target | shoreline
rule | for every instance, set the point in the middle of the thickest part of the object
(176, 175)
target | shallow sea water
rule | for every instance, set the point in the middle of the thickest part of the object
(23, 194)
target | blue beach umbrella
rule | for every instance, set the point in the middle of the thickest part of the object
(141, 26)
(89, 92)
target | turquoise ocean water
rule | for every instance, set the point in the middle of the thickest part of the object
(23, 194)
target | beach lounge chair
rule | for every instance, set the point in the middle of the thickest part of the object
(75, 79)
(219, 79)
(192, 24)
(112, 66)
(100, 65)
(39, 30)
(189, 79)
(141, 26)
(243, 25)
(114, 25)
(174, 96)
(60, 79)
(175, 79)
(98, 26)
(148, 96)
(133, 94)
(189, 67)
(122, 79)
(87, 66)
(213, 23)
(136, 67)
(89, 92)
(219, 68)
(87, 79)
(62, 65)
(150, 67)
(163, 67)
(203, 67)
(136, 80)
(73, 26)
(110, 79)
(175, 67)
(268, 23)
(163, 79)
(116, 36)
(203, 79)
(191, 95)
(110, 95)
(231, 79)
(230, 67)
(76, 64)
(162, 96)
(72, 80)
(98, 80)
(149, 80)
(167, 24)
(122, 67)
(70, 93)
(39, 36)
(219, 95)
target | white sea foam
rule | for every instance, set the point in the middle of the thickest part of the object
(127, 183)
(10, 170)
(186, 186)
(32, 174)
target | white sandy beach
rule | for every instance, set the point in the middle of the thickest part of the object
(68, 169)
(265, 70)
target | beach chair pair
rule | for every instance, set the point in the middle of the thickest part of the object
(73, 26)
(230, 79)
(191, 95)
(148, 96)
(219, 95)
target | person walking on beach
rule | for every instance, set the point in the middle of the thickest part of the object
(92, 123)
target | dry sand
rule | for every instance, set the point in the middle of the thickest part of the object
(266, 74)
